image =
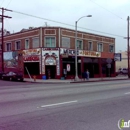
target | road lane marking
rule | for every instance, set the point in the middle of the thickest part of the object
(56, 104)
(127, 93)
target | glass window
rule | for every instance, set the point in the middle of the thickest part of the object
(35, 42)
(8, 46)
(90, 46)
(66, 42)
(100, 47)
(111, 48)
(17, 45)
(79, 44)
(50, 42)
(26, 44)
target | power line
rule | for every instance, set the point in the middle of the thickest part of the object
(107, 10)
(64, 23)
(2, 2)
(9, 3)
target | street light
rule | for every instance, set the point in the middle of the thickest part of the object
(76, 66)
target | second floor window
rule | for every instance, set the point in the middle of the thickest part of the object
(111, 48)
(66, 42)
(26, 44)
(17, 45)
(79, 44)
(50, 42)
(35, 42)
(90, 46)
(8, 47)
(100, 47)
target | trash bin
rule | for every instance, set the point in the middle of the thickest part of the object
(44, 77)
(62, 78)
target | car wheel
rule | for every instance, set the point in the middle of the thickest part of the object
(2, 77)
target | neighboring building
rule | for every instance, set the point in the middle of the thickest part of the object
(124, 62)
(50, 51)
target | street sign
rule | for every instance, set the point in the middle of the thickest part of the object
(108, 65)
(117, 57)
(109, 60)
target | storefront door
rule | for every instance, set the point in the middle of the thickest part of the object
(50, 71)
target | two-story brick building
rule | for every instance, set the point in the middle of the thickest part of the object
(51, 50)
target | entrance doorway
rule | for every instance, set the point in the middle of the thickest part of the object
(50, 71)
(33, 68)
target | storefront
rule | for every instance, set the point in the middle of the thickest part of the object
(32, 62)
(54, 63)
(50, 63)
(95, 62)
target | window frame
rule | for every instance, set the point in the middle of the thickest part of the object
(78, 44)
(28, 44)
(68, 38)
(45, 45)
(10, 43)
(99, 43)
(19, 41)
(33, 43)
(89, 45)
(113, 48)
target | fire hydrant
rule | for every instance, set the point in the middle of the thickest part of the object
(34, 77)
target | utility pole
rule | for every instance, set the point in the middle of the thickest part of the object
(128, 46)
(2, 34)
(128, 49)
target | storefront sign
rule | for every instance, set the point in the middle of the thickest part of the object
(45, 49)
(31, 52)
(68, 67)
(71, 52)
(89, 53)
(31, 59)
(50, 61)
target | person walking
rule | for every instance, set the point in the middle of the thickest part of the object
(83, 76)
(87, 73)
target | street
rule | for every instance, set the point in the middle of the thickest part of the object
(75, 106)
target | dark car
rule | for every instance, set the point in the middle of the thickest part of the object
(1, 73)
(12, 76)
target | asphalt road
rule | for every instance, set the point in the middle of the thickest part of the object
(81, 106)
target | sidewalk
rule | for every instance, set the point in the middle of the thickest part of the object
(51, 81)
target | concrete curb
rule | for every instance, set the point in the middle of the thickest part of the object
(97, 80)
(76, 81)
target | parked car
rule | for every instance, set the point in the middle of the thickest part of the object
(12, 76)
(1, 73)
(122, 71)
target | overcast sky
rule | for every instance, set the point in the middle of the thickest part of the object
(108, 16)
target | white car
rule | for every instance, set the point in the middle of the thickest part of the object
(123, 71)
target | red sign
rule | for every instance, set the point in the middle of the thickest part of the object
(31, 58)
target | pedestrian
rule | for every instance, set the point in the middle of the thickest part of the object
(83, 76)
(87, 73)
